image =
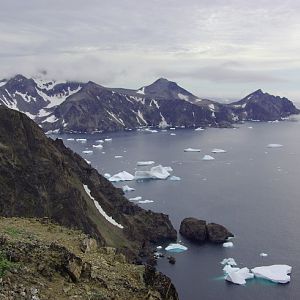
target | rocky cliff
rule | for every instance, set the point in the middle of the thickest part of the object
(40, 177)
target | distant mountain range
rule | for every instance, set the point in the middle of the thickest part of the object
(89, 107)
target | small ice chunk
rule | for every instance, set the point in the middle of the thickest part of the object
(228, 261)
(172, 133)
(145, 163)
(274, 273)
(239, 276)
(250, 127)
(174, 178)
(99, 141)
(228, 245)
(159, 247)
(274, 146)
(199, 129)
(70, 139)
(99, 146)
(87, 161)
(263, 254)
(208, 157)
(145, 201)
(118, 156)
(138, 198)
(176, 248)
(81, 140)
(122, 176)
(157, 172)
(218, 150)
(191, 150)
(172, 128)
(127, 188)
(107, 175)
(107, 140)
(87, 151)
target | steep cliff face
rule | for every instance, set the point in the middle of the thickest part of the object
(40, 177)
(42, 260)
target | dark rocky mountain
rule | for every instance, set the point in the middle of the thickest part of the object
(89, 107)
(40, 177)
(263, 107)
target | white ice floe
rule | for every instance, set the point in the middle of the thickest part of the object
(87, 151)
(208, 157)
(274, 273)
(101, 211)
(99, 141)
(175, 178)
(145, 201)
(122, 176)
(138, 198)
(228, 245)
(263, 254)
(81, 140)
(127, 188)
(274, 146)
(98, 146)
(239, 276)
(191, 150)
(228, 261)
(107, 175)
(70, 139)
(107, 140)
(218, 150)
(145, 163)
(176, 248)
(118, 156)
(199, 129)
(157, 172)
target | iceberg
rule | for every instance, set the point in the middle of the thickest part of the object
(174, 178)
(145, 201)
(99, 146)
(263, 254)
(239, 276)
(208, 157)
(274, 273)
(122, 176)
(218, 150)
(176, 248)
(157, 172)
(107, 175)
(228, 269)
(81, 140)
(274, 146)
(191, 150)
(127, 188)
(87, 151)
(138, 198)
(145, 163)
(228, 245)
(228, 261)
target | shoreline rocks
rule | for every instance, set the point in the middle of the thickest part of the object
(199, 231)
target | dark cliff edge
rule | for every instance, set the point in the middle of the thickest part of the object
(40, 177)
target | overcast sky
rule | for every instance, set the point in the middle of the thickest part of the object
(213, 48)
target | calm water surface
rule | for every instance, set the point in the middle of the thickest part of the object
(253, 190)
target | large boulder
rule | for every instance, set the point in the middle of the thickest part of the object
(217, 233)
(193, 229)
